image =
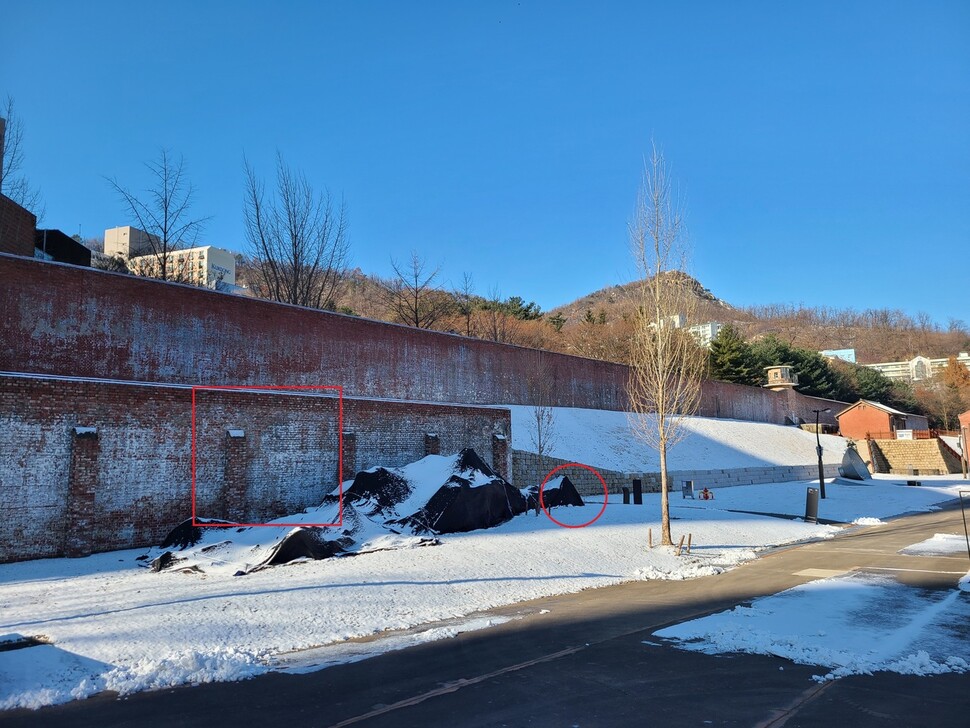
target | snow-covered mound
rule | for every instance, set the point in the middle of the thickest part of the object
(437, 494)
(384, 508)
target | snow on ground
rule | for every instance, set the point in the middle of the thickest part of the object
(941, 544)
(883, 496)
(953, 442)
(117, 626)
(852, 625)
(602, 439)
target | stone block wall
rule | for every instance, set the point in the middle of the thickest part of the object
(525, 467)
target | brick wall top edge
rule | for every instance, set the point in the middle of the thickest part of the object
(9, 378)
(189, 291)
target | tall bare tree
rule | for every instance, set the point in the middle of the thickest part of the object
(412, 296)
(464, 296)
(542, 417)
(297, 238)
(497, 324)
(13, 183)
(666, 365)
(163, 211)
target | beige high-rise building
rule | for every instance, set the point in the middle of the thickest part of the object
(128, 242)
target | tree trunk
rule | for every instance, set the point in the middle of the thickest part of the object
(665, 538)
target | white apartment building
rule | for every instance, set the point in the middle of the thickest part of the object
(918, 368)
(705, 333)
(206, 266)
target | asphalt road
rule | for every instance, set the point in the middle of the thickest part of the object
(584, 663)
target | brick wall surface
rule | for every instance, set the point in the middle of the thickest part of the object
(128, 482)
(864, 420)
(17, 227)
(71, 321)
(66, 321)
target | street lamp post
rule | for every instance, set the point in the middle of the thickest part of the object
(818, 450)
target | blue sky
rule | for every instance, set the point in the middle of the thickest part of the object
(822, 148)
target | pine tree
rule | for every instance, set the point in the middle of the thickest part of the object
(731, 359)
(873, 385)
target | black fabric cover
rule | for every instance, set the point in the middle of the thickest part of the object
(565, 495)
(380, 486)
(455, 507)
(185, 534)
(307, 543)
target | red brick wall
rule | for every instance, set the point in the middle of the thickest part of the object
(72, 321)
(128, 484)
(757, 404)
(864, 420)
(16, 228)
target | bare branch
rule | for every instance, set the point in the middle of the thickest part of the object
(413, 298)
(13, 184)
(297, 239)
(163, 213)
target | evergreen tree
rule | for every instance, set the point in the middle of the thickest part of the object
(872, 385)
(816, 377)
(731, 359)
(557, 321)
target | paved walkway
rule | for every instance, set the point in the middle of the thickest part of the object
(584, 663)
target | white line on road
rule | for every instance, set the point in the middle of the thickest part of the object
(921, 571)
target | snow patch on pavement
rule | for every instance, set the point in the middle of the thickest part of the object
(941, 544)
(852, 625)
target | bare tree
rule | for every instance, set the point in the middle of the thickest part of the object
(666, 364)
(542, 417)
(464, 296)
(13, 183)
(163, 212)
(412, 297)
(497, 324)
(297, 238)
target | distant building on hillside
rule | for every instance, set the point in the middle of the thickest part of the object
(916, 369)
(843, 354)
(206, 266)
(705, 333)
(129, 242)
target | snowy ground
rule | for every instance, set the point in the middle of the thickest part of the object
(858, 624)
(115, 625)
(602, 439)
(942, 544)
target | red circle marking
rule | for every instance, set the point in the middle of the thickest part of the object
(552, 472)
